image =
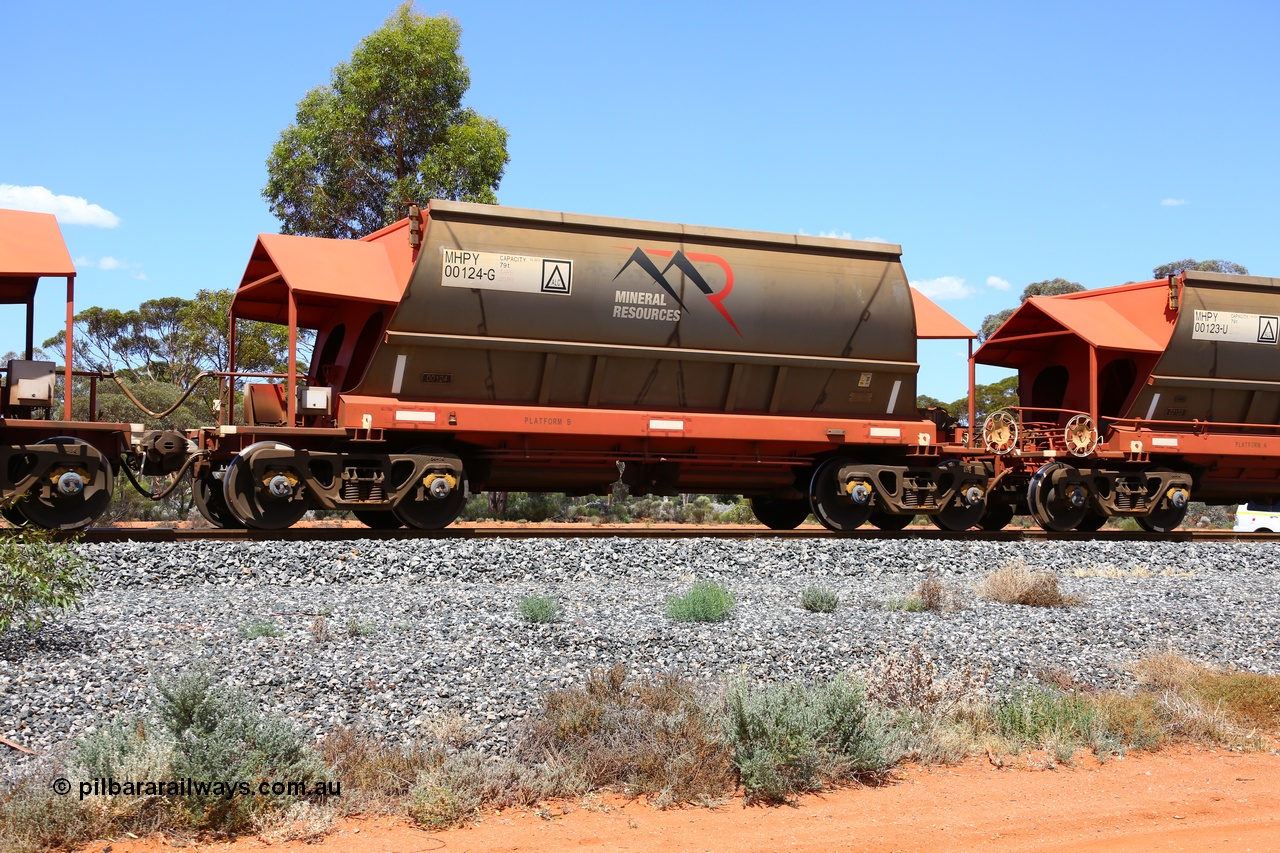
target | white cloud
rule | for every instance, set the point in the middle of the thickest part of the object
(995, 282)
(946, 287)
(70, 210)
(1173, 202)
(109, 263)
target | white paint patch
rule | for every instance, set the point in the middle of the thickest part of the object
(885, 432)
(397, 379)
(666, 425)
(893, 397)
(1155, 401)
(1164, 442)
(416, 417)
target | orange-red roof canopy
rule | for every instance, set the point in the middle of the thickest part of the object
(933, 323)
(31, 246)
(320, 272)
(1130, 317)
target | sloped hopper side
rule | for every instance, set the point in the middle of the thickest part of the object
(1222, 362)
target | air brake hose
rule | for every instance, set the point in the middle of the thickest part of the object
(157, 415)
(177, 479)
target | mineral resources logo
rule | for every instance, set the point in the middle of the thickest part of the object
(639, 305)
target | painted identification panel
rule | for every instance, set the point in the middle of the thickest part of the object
(499, 271)
(1231, 326)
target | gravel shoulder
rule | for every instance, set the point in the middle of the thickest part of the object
(421, 628)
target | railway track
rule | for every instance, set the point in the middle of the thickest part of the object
(638, 531)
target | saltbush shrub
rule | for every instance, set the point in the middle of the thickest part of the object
(788, 739)
(706, 601)
(818, 600)
(538, 609)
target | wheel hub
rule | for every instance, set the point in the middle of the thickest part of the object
(280, 487)
(70, 484)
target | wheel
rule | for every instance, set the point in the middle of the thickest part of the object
(834, 508)
(997, 516)
(1163, 520)
(1000, 432)
(434, 503)
(966, 506)
(1092, 521)
(212, 503)
(1168, 515)
(79, 489)
(1080, 436)
(12, 513)
(275, 502)
(780, 513)
(378, 519)
(890, 521)
(1051, 510)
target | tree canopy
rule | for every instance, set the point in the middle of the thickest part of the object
(987, 399)
(160, 347)
(1048, 287)
(1229, 267)
(387, 130)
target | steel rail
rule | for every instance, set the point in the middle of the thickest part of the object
(636, 531)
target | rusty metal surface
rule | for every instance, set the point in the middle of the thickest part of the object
(577, 281)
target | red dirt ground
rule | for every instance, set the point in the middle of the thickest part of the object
(1182, 799)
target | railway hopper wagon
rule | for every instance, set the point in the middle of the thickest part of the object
(1135, 400)
(56, 470)
(483, 347)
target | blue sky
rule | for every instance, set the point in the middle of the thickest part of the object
(999, 143)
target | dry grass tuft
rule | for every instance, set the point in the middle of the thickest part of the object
(1243, 699)
(657, 736)
(1015, 583)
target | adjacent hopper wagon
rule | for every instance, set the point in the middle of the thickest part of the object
(484, 347)
(1137, 399)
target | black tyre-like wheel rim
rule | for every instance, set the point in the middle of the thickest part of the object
(212, 504)
(1051, 511)
(1164, 520)
(1093, 521)
(72, 512)
(251, 503)
(834, 510)
(997, 516)
(780, 513)
(378, 519)
(889, 521)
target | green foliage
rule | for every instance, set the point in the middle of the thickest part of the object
(538, 609)
(357, 627)
(987, 399)
(218, 734)
(1038, 717)
(787, 739)
(38, 578)
(706, 601)
(259, 626)
(388, 129)
(907, 604)
(818, 600)
(1048, 287)
(739, 513)
(1175, 267)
